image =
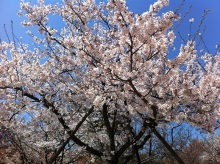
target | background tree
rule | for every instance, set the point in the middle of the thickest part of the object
(184, 139)
(211, 152)
(102, 85)
(8, 152)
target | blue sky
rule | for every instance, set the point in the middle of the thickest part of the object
(9, 9)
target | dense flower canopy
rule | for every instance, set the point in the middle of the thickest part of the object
(104, 58)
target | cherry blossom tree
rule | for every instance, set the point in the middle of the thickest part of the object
(102, 85)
